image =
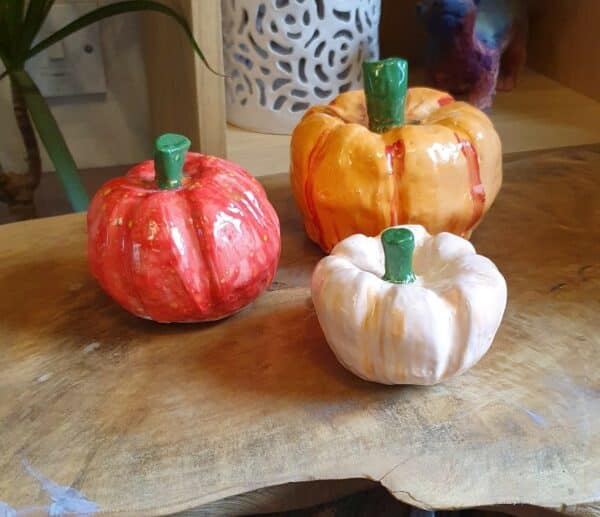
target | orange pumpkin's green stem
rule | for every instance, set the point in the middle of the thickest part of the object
(385, 88)
(169, 155)
(398, 248)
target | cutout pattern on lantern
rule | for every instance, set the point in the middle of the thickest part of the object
(282, 56)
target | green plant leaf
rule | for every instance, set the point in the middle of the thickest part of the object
(18, 9)
(126, 6)
(4, 33)
(4, 60)
(12, 17)
(19, 26)
(37, 12)
(53, 141)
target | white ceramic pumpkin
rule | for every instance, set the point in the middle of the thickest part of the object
(388, 325)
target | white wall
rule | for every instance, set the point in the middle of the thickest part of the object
(114, 130)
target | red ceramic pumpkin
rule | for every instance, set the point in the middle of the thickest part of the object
(183, 246)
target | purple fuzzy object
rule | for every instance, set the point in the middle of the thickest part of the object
(474, 46)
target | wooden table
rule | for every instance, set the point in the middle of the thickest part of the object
(140, 418)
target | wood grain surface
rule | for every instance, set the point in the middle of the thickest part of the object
(141, 418)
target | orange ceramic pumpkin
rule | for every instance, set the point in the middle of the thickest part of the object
(358, 168)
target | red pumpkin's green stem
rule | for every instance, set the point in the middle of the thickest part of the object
(398, 248)
(169, 155)
(385, 88)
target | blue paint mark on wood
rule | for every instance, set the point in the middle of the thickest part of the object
(7, 511)
(539, 420)
(65, 500)
(35, 510)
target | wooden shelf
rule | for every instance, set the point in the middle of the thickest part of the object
(539, 114)
(259, 153)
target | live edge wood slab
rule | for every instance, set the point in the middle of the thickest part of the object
(143, 418)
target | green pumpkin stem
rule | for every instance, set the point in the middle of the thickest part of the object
(398, 248)
(385, 85)
(169, 154)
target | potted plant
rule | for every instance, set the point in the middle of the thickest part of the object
(20, 23)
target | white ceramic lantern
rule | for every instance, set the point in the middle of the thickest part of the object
(283, 56)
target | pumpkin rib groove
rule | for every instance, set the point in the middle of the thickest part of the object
(309, 184)
(334, 112)
(193, 239)
(477, 190)
(124, 267)
(395, 154)
(127, 265)
(208, 243)
(197, 225)
(157, 226)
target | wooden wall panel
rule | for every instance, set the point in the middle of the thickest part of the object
(564, 42)
(400, 33)
(185, 97)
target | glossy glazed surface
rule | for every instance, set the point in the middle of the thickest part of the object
(421, 332)
(441, 169)
(195, 253)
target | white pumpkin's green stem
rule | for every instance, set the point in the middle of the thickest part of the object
(169, 155)
(385, 89)
(398, 248)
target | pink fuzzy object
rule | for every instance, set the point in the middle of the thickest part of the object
(474, 46)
